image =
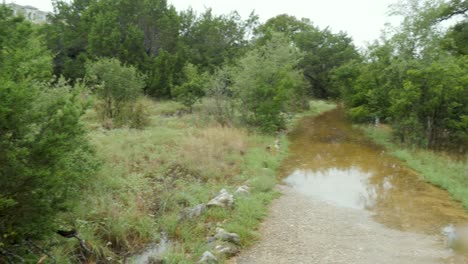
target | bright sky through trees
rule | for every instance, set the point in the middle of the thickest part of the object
(362, 19)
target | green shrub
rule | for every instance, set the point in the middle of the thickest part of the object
(192, 88)
(117, 85)
(266, 83)
(45, 158)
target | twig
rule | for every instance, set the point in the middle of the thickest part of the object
(73, 233)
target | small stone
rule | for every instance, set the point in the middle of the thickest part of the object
(197, 211)
(222, 235)
(224, 199)
(242, 190)
(225, 248)
(193, 212)
(210, 239)
(208, 258)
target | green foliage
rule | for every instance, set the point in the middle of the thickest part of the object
(220, 93)
(415, 80)
(323, 50)
(45, 154)
(45, 157)
(117, 85)
(191, 89)
(267, 84)
(290, 26)
(210, 40)
(163, 75)
(22, 52)
(140, 33)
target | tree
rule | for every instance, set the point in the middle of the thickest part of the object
(142, 33)
(323, 50)
(219, 90)
(211, 40)
(267, 84)
(191, 89)
(117, 85)
(288, 25)
(415, 80)
(45, 156)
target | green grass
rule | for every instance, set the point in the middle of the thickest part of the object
(149, 176)
(437, 168)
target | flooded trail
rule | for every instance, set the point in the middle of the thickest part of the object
(346, 201)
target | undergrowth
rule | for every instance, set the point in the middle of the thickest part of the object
(150, 175)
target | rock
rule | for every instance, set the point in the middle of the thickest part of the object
(193, 212)
(208, 258)
(277, 144)
(222, 235)
(451, 235)
(224, 199)
(225, 248)
(210, 239)
(242, 190)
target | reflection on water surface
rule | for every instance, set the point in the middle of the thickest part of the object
(334, 162)
(347, 188)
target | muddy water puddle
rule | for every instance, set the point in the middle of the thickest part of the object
(334, 162)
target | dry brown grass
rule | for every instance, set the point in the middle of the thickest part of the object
(214, 151)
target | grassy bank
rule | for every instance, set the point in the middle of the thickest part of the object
(150, 176)
(437, 168)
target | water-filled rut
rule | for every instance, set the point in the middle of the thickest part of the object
(347, 201)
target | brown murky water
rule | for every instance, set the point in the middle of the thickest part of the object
(332, 161)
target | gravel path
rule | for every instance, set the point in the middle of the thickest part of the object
(302, 230)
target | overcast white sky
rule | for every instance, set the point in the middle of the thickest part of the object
(361, 19)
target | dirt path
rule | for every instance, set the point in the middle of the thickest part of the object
(302, 230)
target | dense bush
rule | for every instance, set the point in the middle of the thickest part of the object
(413, 80)
(191, 89)
(44, 153)
(118, 87)
(266, 84)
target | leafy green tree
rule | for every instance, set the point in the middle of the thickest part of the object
(117, 85)
(191, 89)
(45, 156)
(415, 80)
(456, 39)
(433, 98)
(211, 40)
(323, 50)
(268, 84)
(142, 33)
(219, 90)
(288, 25)
(67, 36)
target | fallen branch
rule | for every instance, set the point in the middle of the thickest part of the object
(74, 234)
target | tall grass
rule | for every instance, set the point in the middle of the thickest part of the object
(438, 168)
(152, 174)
